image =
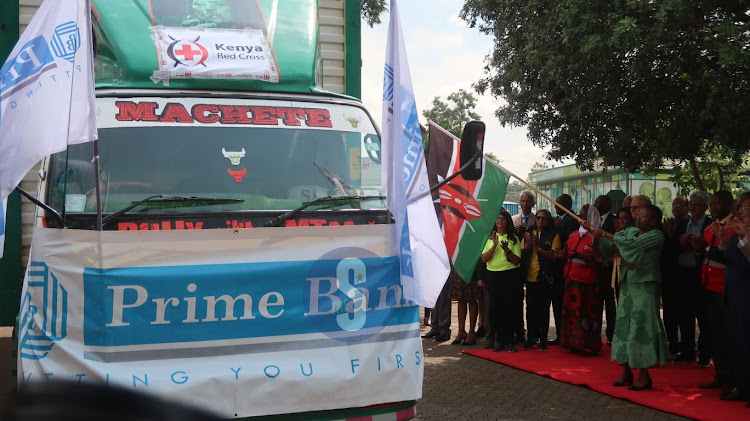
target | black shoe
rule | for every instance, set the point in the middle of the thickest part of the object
(511, 348)
(733, 395)
(527, 345)
(555, 341)
(519, 339)
(704, 362)
(497, 346)
(481, 332)
(431, 334)
(623, 381)
(609, 342)
(459, 338)
(682, 359)
(443, 338)
(646, 386)
(542, 347)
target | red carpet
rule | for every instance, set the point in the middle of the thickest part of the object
(675, 386)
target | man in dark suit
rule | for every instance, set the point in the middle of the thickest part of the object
(565, 225)
(671, 283)
(688, 271)
(603, 204)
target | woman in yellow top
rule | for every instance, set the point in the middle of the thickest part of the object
(544, 269)
(502, 253)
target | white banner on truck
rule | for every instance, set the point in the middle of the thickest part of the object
(239, 322)
(213, 53)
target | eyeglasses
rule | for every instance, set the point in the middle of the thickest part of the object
(678, 205)
(745, 207)
(696, 204)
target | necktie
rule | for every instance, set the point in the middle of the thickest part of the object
(524, 219)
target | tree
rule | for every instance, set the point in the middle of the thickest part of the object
(513, 193)
(453, 116)
(633, 83)
(719, 171)
(371, 11)
(539, 166)
(491, 156)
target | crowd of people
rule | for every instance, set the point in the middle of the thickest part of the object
(652, 277)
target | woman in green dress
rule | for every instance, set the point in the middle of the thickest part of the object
(639, 340)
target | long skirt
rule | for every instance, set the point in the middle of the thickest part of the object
(639, 338)
(582, 316)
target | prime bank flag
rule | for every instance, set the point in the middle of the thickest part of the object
(46, 90)
(424, 260)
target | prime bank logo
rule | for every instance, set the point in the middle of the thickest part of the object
(37, 57)
(351, 294)
(44, 312)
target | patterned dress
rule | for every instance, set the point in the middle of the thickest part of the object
(639, 339)
(582, 302)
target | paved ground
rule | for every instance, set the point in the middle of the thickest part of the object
(462, 387)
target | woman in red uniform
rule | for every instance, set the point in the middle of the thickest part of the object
(582, 303)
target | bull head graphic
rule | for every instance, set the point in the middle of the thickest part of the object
(234, 157)
(237, 175)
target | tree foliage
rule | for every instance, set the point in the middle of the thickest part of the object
(513, 192)
(630, 82)
(492, 157)
(539, 166)
(453, 115)
(371, 11)
(719, 170)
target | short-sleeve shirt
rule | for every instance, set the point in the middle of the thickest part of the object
(499, 261)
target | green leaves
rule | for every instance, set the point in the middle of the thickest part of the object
(453, 116)
(633, 83)
(371, 11)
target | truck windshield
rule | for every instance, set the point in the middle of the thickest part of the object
(269, 167)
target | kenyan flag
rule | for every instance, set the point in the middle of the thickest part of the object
(468, 209)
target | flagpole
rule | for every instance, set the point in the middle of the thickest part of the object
(527, 184)
(98, 186)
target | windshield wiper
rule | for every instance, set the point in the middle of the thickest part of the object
(286, 215)
(174, 201)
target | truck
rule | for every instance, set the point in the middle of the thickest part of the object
(225, 242)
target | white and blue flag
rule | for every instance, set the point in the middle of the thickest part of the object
(424, 261)
(46, 90)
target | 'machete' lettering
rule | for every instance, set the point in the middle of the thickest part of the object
(175, 112)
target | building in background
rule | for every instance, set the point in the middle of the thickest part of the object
(585, 186)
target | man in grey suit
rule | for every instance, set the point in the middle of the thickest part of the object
(525, 218)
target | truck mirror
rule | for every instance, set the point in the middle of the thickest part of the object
(472, 146)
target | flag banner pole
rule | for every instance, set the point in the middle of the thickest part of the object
(424, 262)
(529, 185)
(98, 186)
